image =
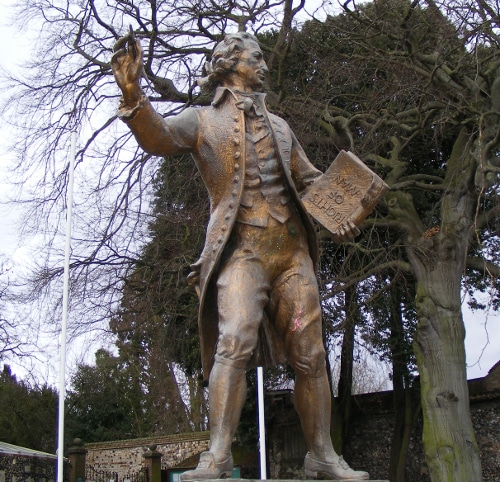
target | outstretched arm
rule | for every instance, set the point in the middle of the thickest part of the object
(162, 137)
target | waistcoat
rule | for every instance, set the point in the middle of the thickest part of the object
(264, 192)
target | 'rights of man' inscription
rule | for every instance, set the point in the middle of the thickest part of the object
(348, 190)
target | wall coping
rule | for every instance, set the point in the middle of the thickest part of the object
(146, 441)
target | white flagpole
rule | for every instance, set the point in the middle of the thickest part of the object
(262, 426)
(64, 322)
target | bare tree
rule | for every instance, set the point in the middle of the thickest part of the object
(16, 336)
(68, 85)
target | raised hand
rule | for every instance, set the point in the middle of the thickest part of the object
(127, 65)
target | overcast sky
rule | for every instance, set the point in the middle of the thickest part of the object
(483, 329)
(12, 49)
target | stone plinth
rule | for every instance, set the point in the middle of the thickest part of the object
(280, 480)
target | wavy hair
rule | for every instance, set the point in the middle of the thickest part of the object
(224, 59)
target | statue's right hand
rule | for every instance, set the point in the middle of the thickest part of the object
(127, 64)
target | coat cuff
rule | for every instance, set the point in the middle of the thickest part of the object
(126, 113)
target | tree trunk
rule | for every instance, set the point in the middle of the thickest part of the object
(405, 408)
(449, 442)
(438, 263)
(341, 406)
(405, 411)
(347, 363)
(336, 422)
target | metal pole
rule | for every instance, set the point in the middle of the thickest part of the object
(262, 426)
(64, 322)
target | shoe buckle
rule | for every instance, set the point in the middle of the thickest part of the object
(206, 461)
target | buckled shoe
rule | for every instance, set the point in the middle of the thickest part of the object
(338, 470)
(209, 469)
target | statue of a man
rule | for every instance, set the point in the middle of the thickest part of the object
(256, 277)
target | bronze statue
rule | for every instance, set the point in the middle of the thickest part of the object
(256, 277)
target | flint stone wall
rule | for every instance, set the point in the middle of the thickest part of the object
(368, 447)
(372, 425)
(125, 457)
(18, 468)
(369, 444)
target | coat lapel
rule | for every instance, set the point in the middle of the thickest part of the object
(283, 141)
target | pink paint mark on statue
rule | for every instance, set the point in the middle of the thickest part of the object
(297, 325)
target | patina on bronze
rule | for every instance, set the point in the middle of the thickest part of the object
(256, 276)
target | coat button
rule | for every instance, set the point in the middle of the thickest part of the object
(237, 154)
(236, 167)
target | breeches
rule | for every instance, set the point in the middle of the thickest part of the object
(269, 272)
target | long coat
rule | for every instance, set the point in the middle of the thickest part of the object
(215, 137)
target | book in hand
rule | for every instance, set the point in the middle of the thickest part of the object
(345, 195)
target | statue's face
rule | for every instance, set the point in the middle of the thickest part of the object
(251, 69)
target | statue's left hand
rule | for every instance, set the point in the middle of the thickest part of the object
(347, 232)
(127, 65)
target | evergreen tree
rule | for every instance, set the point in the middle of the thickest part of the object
(106, 401)
(28, 413)
(156, 325)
